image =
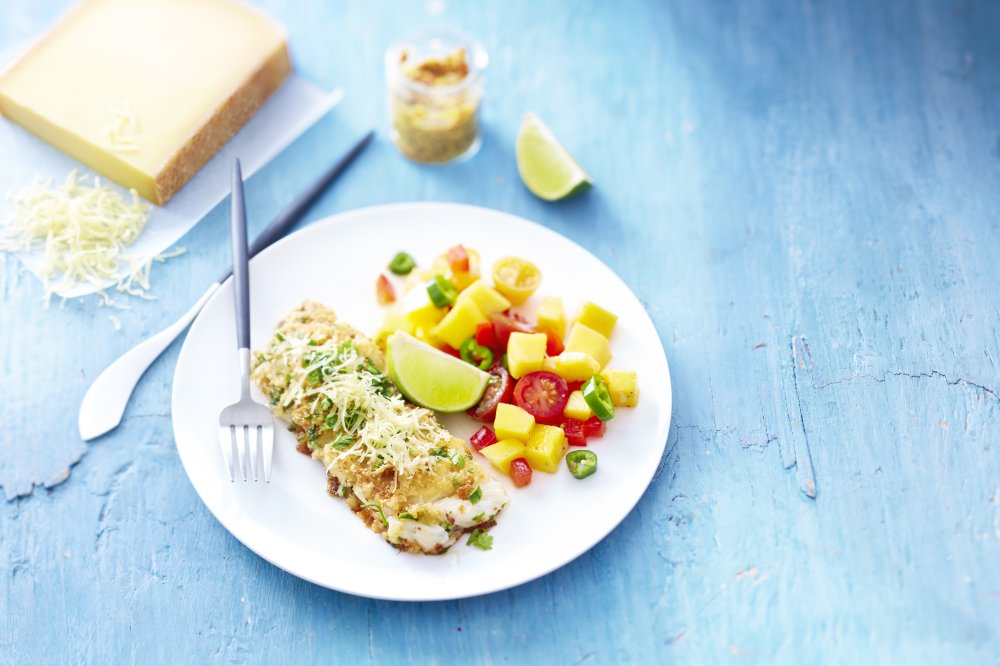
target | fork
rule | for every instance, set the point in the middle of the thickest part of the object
(247, 425)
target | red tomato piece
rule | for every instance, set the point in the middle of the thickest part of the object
(384, 291)
(483, 438)
(553, 345)
(458, 257)
(500, 389)
(448, 349)
(594, 427)
(505, 324)
(520, 472)
(575, 386)
(543, 395)
(574, 432)
(486, 336)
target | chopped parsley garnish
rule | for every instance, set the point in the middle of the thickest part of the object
(479, 517)
(381, 513)
(476, 495)
(480, 539)
(279, 337)
(276, 394)
(406, 515)
(342, 442)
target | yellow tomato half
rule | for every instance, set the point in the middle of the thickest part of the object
(516, 278)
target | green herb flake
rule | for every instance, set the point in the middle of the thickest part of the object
(279, 337)
(480, 539)
(342, 442)
(381, 513)
(476, 495)
(479, 517)
(406, 515)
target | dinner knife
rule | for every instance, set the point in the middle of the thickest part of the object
(104, 403)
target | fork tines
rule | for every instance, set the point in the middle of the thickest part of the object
(254, 444)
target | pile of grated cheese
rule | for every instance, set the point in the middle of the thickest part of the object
(83, 228)
(355, 399)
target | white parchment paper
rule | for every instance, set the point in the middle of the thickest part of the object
(295, 107)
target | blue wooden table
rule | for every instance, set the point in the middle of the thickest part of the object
(806, 196)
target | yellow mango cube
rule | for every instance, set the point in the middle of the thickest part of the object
(577, 407)
(486, 298)
(417, 307)
(503, 453)
(574, 366)
(551, 315)
(583, 338)
(459, 324)
(597, 318)
(623, 386)
(525, 353)
(512, 422)
(392, 322)
(545, 448)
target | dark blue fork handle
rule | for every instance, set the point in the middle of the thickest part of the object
(238, 231)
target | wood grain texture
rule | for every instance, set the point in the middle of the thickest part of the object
(805, 196)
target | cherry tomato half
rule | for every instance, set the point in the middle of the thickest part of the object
(516, 278)
(553, 345)
(520, 472)
(485, 335)
(505, 324)
(384, 291)
(594, 427)
(458, 258)
(483, 438)
(543, 395)
(574, 432)
(499, 389)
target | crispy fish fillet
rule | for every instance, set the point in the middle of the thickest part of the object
(406, 477)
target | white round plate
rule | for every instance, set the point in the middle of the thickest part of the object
(295, 525)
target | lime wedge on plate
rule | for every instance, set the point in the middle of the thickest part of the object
(431, 378)
(546, 168)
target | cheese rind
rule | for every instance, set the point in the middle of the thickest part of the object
(190, 72)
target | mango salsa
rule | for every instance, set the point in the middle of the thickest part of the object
(487, 299)
(525, 353)
(577, 408)
(419, 310)
(503, 453)
(597, 318)
(545, 448)
(574, 366)
(551, 315)
(623, 387)
(584, 339)
(459, 324)
(512, 422)
(392, 322)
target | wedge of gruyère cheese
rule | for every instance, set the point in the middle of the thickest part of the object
(146, 92)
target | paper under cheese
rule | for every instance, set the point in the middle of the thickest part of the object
(146, 92)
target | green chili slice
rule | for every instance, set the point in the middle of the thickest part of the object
(442, 292)
(598, 398)
(581, 463)
(476, 354)
(402, 264)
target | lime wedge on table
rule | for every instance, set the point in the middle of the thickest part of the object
(431, 378)
(546, 168)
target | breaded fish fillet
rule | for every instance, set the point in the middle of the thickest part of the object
(409, 479)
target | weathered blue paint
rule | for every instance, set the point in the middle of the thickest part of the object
(805, 194)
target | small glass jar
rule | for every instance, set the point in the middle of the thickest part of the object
(434, 78)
